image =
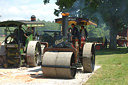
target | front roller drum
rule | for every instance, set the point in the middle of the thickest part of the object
(58, 65)
(88, 59)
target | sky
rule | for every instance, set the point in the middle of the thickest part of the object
(23, 9)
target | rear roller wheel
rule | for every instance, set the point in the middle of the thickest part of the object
(88, 58)
(33, 53)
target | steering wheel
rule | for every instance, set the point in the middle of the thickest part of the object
(11, 39)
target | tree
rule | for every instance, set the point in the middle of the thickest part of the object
(99, 31)
(48, 26)
(112, 12)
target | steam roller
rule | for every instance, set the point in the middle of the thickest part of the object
(33, 53)
(63, 62)
(62, 59)
(58, 65)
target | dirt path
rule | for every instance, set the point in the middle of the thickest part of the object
(34, 76)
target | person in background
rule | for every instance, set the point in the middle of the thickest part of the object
(75, 35)
(83, 36)
(83, 32)
(21, 35)
(75, 32)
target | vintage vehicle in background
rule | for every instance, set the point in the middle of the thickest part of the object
(122, 38)
(100, 42)
(17, 50)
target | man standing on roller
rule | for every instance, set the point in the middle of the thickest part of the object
(75, 32)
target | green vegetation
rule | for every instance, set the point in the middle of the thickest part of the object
(49, 26)
(114, 68)
(99, 31)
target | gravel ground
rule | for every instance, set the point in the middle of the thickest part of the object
(34, 76)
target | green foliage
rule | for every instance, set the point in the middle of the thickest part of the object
(46, 1)
(65, 3)
(48, 26)
(100, 31)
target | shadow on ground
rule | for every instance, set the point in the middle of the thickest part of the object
(35, 70)
(120, 50)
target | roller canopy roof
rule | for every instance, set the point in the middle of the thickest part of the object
(76, 21)
(21, 22)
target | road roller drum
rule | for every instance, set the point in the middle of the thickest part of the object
(58, 65)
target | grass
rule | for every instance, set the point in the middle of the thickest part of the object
(114, 68)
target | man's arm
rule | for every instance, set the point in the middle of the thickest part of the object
(25, 35)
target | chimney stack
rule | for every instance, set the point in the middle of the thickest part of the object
(64, 23)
